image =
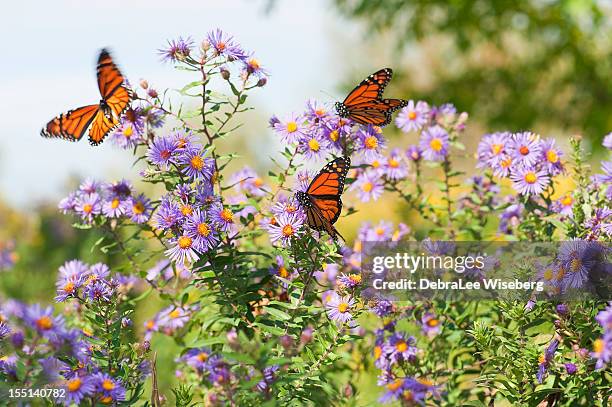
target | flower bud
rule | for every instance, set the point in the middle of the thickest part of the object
(225, 73)
(232, 339)
(152, 93)
(286, 342)
(306, 336)
(205, 45)
(262, 82)
(562, 309)
(144, 84)
(571, 368)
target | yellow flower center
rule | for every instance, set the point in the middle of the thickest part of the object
(524, 150)
(106, 399)
(343, 307)
(69, 287)
(371, 143)
(506, 163)
(407, 395)
(184, 242)
(115, 203)
(150, 324)
(401, 346)
(367, 186)
(575, 265)
(313, 144)
(530, 177)
(320, 112)
(424, 381)
(560, 274)
(108, 385)
(220, 46)
(548, 274)
(227, 215)
(203, 229)
(375, 164)
(412, 115)
(567, 200)
(197, 163)
(258, 182)
(87, 208)
(497, 148)
(175, 314)
(138, 208)
(288, 231)
(542, 358)
(433, 322)
(377, 352)
(551, 156)
(435, 144)
(128, 131)
(74, 385)
(282, 271)
(202, 356)
(598, 345)
(45, 323)
(334, 135)
(394, 385)
(393, 163)
(380, 231)
(253, 63)
(291, 127)
(355, 278)
(186, 210)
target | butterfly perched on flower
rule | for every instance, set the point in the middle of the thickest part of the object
(99, 118)
(365, 104)
(321, 201)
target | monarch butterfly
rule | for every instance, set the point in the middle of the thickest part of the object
(101, 118)
(321, 201)
(365, 104)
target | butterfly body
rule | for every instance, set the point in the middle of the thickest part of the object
(99, 119)
(365, 104)
(321, 201)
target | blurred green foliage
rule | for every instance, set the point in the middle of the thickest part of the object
(512, 64)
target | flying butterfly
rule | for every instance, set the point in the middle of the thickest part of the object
(365, 104)
(100, 118)
(321, 201)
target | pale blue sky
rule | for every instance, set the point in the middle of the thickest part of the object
(49, 51)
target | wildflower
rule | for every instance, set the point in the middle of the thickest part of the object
(218, 371)
(279, 269)
(108, 389)
(312, 145)
(395, 167)
(90, 186)
(570, 368)
(197, 358)
(287, 227)
(339, 308)
(577, 257)
(139, 209)
(383, 308)
(114, 207)
(88, 206)
(177, 50)
(130, 131)
(252, 66)
(492, 148)
(224, 45)
(434, 143)
(223, 217)
(414, 153)
(600, 222)
(173, 318)
(510, 218)
(68, 204)
(525, 149)
(400, 348)
(607, 142)
(68, 287)
(52, 368)
(162, 152)
(98, 291)
(368, 186)
(316, 112)
(412, 117)
(168, 213)
(269, 377)
(200, 229)
(77, 388)
(602, 351)
(545, 359)
(291, 128)
(4, 330)
(350, 280)
(430, 324)
(370, 142)
(564, 205)
(196, 166)
(43, 321)
(551, 157)
(182, 250)
(249, 182)
(528, 181)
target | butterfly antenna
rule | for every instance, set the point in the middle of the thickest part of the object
(329, 95)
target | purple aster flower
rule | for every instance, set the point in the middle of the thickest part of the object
(68, 204)
(162, 152)
(252, 66)
(350, 280)
(291, 128)
(286, 205)
(130, 131)
(502, 166)
(90, 186)
(493, 148)
(602, 350)
(98, 291)
(108, 389)
(577, 257)
(249, 182)
(414, 153)
(604, 318)
(279, 268)
(562, 309)
(564, 206)
(606, 177)
(52, 368)
(114, 207)
(177, 50)
(77, 388)
(73, 269)
(313, 146)
(600, 221)
(173, 318)
(525, 149)
(121, 188)
(545, 359)
(218, 371)
(510, 218)
(434, 143)
(430, 324)
(68, 287)
(383, 308)
(287, 226)
(224, 44)
(370, 142)
(186, 141)
(197, 358)
(168, 213)
(395, 168)
(607, 142)
(201, 230)
(88, 206)
(570, 368)
(182, 250)
(400, 348)
(407, 390)
(551, 157)
(316, 111)
(98, 271)
(339, 308)
(183, 192)
(529, 181)
(4, 330)
(369, 186)
(413, 117)
(43, 321)
(196, 165)
(223, 217)
(139, 209)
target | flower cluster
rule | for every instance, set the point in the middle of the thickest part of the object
(525, 158)
(98, 201)
(136, 123)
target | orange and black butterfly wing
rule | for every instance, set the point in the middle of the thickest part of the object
(73, 124)
(101, 127)
(371, 88)
(376, 112)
